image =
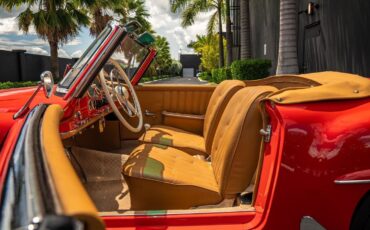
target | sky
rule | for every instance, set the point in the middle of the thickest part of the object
(164, 23)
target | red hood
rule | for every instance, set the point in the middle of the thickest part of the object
(11, 100)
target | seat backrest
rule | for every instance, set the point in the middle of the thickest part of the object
(216, 106)
(237, 141)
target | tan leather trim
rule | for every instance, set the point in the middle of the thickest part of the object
(332, 86)
(187, 122)
(186, 99)
(282, 82)
(170, 136)
(216, 107)
(73, 197)
(182, 115)
(237, 141)
(161, 177)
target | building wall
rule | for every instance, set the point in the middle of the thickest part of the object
(336, 37)
(21, 66)
(264, 16)
(190, 61)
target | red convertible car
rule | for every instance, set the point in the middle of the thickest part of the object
(98, 150)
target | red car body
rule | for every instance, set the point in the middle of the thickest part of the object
(317, 152)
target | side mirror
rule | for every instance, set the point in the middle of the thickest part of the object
(47, 82)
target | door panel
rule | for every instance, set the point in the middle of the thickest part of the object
(183, 99)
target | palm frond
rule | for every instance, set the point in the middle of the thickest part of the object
(25, 19)
(212, 24)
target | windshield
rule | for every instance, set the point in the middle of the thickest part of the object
(129, 54)
(83, 60)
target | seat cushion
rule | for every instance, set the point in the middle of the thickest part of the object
(165, 135)
(162, 177)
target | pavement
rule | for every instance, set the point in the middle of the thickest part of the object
(179, 80)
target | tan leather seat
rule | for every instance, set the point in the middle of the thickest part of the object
(162, 177)
(190, 142)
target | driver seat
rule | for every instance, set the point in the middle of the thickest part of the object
(163, 177)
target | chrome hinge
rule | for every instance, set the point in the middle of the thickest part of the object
(266, 133)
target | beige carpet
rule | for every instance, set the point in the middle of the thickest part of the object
(102, 178)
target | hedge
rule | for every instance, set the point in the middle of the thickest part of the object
(250, 69)
(8, 84)
(220, 74)
(205, 76)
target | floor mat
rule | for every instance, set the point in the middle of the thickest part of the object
(101, 175)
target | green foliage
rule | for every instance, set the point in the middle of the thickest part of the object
(102, 11)
(205, 76)
(163, 61)
(250, 69)
(207, 47)
(175, 68)
(8, 84)
(220, 74)
(57, 20)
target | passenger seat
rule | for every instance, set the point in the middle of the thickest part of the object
(192, 143)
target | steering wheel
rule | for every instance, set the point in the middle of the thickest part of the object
(116, 91)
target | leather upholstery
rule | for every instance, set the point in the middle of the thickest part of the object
(216, 107)
(235, 149)
(186, 141)
(186, 99)
(220, 98)
(72, 195)
(162, 177)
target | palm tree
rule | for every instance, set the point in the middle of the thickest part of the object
(206, 46)
(287, 58)
(135, 10)
(191, 8)
(163, 58)
(56, 21)
(229, 37)
(245, 39)
(101, 12)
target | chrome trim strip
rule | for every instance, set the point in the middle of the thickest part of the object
(352, 181)
(180, 212)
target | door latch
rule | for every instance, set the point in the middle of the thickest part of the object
(149, 114)
(266, 133)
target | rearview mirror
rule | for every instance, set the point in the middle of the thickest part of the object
(47, 82)
(132, 26)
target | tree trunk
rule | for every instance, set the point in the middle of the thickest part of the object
(54, 59)
(220, 38)
(245, 30)
(287, 58)
(229, 37)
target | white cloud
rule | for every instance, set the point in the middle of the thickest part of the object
(168, 24)
(63, 54)
(77, 54)
(37, 50)
(10, 26)
(74, 42)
